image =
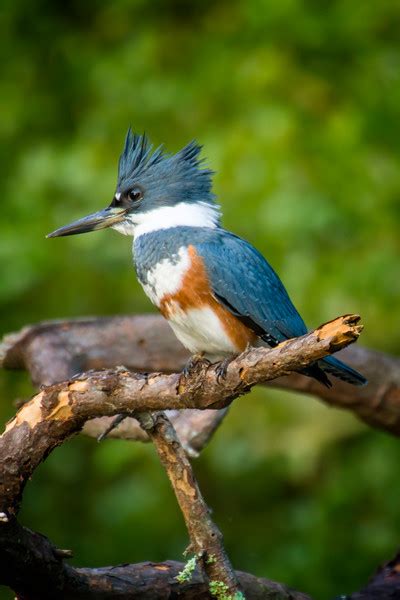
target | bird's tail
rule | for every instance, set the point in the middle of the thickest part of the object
(339, 369)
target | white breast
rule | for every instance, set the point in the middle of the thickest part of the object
(166, 276)
(200, 330)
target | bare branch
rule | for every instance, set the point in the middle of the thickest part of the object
(56, 351)
(146, 343)
(205, 537)
(61, 410)
(194, 428)
(34, 568)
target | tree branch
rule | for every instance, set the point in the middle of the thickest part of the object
(194, 428)
(205, 537)
(34, 568)
(83, 344)
(146, 343)
(61, 410)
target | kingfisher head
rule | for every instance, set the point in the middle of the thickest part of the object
(155, 190)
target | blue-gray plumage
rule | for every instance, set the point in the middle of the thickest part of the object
(172, 178)
(217, 291)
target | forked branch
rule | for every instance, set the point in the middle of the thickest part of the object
(56, 351)
(61, 410)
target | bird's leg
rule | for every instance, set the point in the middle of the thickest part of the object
(194, 362)
(221, 368)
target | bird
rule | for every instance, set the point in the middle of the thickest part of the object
(218, 293)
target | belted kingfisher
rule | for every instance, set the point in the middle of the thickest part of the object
(218, 293)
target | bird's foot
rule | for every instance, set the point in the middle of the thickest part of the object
(195, 362)
(221, 368)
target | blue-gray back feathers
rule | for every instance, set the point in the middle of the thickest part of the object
(244, 282)
(239, 276)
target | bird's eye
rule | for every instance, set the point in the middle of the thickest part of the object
(135, 194)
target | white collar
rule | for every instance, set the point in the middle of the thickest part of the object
(199, 214)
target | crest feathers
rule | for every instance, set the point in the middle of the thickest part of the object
(137, 155)
(180, 175)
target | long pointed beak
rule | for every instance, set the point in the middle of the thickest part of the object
(98, 220)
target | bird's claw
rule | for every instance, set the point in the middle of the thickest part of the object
(193, 364)
(221, 369)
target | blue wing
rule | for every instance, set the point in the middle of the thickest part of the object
(244, 282)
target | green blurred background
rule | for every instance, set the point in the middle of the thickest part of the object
(298, 106)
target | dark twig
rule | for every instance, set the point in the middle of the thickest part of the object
(113, 424)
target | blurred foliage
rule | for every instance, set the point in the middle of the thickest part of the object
(298, 106)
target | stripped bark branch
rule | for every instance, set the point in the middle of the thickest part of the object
(34, 568)
(53, 352)
(61, 410)
(205, 537)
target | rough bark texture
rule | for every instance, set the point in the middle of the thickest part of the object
(61, 410)
(205, 538)
(54, 352)
(34, 568)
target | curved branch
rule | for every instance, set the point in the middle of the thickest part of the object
(34, 568)
(143, 343)
(28, 561)
(60, 410)
(147, 343)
